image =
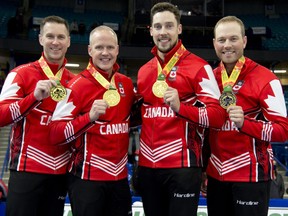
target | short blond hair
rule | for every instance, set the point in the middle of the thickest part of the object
(103, 28)
(227, 19)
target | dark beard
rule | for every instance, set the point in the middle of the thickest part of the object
(167, 51)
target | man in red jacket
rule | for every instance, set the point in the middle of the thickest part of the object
(179, 92)
(240, 168)
(96, 115)
(37, 184)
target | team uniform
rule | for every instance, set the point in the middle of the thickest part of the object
(100, 152)
(37, 168)
(170, 141)
(241, 159)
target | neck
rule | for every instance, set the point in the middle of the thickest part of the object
(53, 60)
(59, 63)
(109, 74)
(109, 71)
(229, 68)
(161, 55)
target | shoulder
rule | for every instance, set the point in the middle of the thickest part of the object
(152, 63)
(123, 77)
(25, 67)
(189, 55)
(259, 72)
(78, 81)
(193, 60)
(124, 80)
(69, 73)
(27, 72)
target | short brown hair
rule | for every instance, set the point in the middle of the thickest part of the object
(54, 19)
(165, 6)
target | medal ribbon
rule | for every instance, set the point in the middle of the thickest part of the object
(45, 67)
(100, 79)
(162, 73)
(228, 82)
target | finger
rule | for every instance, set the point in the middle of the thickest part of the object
(53, 82)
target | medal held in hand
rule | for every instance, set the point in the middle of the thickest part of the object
(227, 98)
(112, 97)
(58, 92)
(160, 86)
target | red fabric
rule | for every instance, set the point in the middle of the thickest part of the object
(170, 140)
(246, 155)
(30, 147)
(100, 152)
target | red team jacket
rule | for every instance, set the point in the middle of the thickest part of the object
(30, 148)
(100, 153)
(169, 140)
(235, 154)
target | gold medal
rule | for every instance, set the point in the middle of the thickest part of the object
(159, 88)
(227, 99)
(58, 92)
(112, 97)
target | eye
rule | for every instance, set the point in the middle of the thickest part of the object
(99, 48)
(169, 26)
(50, 36)
(61, 37)
(221, 40)
(157, 27)
(110, 48)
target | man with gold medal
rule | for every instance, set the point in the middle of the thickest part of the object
(38, 180)
(95, 115)
(179, 92)
(240, 167)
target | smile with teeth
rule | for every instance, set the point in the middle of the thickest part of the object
(228, 52)
(164, 40)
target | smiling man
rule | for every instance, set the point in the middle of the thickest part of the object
(96, 116)
(240, 168)
(37, 169)
(179, 92)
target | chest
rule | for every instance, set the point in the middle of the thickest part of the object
(247, 92)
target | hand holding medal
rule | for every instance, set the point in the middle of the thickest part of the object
(236, 115)
(57, 92)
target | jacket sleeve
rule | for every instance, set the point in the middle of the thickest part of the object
(209, 113)
(15, 103)
(272, 126)
(67, 124)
